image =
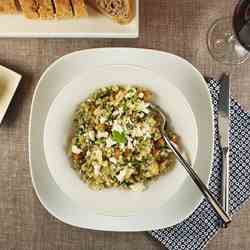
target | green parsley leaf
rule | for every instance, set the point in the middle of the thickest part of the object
(119, 137)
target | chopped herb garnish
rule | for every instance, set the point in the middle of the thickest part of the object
(119, 137)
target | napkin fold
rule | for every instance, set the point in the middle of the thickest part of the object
(195, 232)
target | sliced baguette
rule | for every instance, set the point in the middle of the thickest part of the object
(30, 8)
(45, 9)
(79, 8)
(8, 7)
(63, 9)
(119, 10)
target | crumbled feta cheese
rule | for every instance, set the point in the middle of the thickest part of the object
(137, 187)
(110, 142)
(130, 143)
(92, 135)
(121, 175)
(116, 112)
(102, 134)
(117, 127)
(120, 110)
(113, 160)
(147, 135)
(103, 119)
(137, 132)
(146, 131)
(143, 107)
(76, 150)
(143, 131)
(97, 169)
(127, 120)
(141, 115)
(135, 142)
(146, 127)
(141, 95)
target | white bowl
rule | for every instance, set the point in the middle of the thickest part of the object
(58, 128)
(157, 70)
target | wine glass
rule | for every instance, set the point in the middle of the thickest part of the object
(229, 40)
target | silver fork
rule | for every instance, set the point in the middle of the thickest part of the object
(203, 188)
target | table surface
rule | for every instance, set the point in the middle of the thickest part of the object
(179, 27)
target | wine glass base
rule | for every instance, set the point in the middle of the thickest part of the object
(222, 44)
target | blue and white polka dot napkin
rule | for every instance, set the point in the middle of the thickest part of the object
(195, 232)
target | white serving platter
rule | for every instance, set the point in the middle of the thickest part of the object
(93, 26)
(72, 68)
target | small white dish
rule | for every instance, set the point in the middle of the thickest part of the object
(58, 128)
(75, 67)
(9, 81)
(93, 26)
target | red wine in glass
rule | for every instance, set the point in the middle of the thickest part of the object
(228, 38)
(241, 23)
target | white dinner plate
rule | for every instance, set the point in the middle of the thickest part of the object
(159, 71)
(95, 25)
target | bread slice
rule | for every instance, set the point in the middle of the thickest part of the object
(119, 10)
(8, 6)
(79, 8)
(63, 9)
(30, 8)
(45, 9)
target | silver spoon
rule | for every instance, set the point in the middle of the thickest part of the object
(203, 188)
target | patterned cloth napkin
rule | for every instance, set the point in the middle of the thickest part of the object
(195, 232)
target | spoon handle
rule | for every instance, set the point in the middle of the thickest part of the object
(208, 195)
